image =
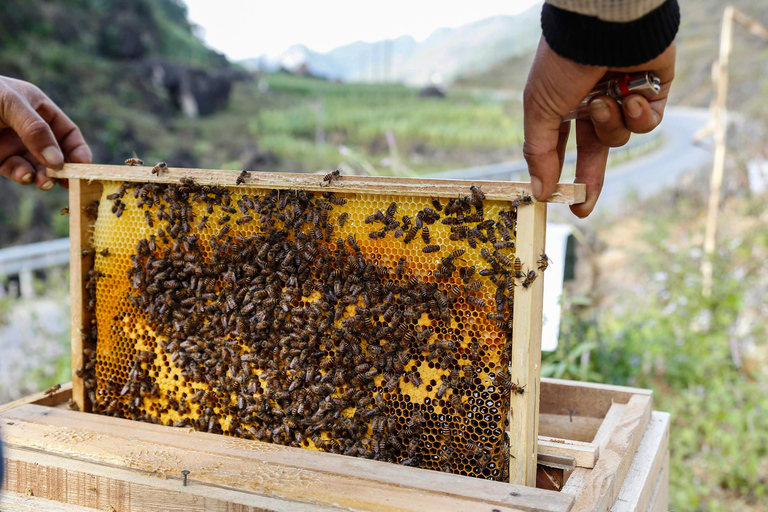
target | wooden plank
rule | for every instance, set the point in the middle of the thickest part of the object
(583, 399)
(59, 397)
(568, 427)
(585, 454)
(635, 495)
(550, 479)
(502, 190)
(660, 497)
(275, 471)
(580, 476)
(607, 477)
(526, 348)
(78, 484)
(81, 195)
(16, 502)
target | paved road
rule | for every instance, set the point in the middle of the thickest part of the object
(646, 174)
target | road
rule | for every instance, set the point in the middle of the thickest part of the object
(646, 174)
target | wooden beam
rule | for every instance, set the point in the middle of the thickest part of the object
(42, 398)
(564, 426)
(81, 196)
(639, 485)
(660, 497)
(17, 502)
(495, 190)
(584, 399)
(607, 477)
(274, 471)
(585, 454)
(526, 348)
(75, 484)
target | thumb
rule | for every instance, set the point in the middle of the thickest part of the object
(540, 148)
(34, 132)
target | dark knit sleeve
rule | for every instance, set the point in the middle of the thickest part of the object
(589, 40)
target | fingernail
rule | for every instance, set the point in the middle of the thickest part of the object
(599, 111)
(53, 157)
(633, 108)
(48, 185)
(536, 186)
(27, 178)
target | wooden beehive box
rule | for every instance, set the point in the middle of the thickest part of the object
(456, 265)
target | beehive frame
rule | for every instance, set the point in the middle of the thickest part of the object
(85, 186)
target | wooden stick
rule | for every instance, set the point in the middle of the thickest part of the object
(42, 398)
(585, 454)
(495, 190)
(81, 196)
(526, 348)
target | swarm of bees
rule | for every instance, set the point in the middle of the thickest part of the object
(297, 334)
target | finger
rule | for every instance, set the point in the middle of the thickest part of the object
(638, 114)
(67, 133)
(608, 121)
(35, 133)
(540, 148)
(591, 157)
(17, 169)
(41, 179)
(562, 142)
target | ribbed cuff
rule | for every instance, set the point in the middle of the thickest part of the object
(588, 40)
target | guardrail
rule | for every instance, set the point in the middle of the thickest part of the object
(22, 260)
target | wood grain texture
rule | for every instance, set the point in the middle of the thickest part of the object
(573, 427)
(81, 195)
(607, 477)
(660, 496)
(585, 454)
(18, 502)
(42, 398)
(502, 190)
(636, 493)
(580, 476)
(526, 348)
(74, 483)
(583, 399)
(273, 471)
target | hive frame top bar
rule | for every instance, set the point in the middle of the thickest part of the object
(494, 190)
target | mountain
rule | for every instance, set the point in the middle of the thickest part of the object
(445, 54)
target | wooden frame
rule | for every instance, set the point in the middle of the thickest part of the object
(101, 462)
(85, 187)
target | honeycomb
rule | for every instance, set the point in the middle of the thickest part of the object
(370, 325)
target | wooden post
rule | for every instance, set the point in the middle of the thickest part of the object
(526, 347)
(81, 195)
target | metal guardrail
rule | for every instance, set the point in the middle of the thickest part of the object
(26, 258)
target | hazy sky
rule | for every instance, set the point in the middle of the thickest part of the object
(248, 28)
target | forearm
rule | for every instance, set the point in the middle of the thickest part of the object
(613, 33)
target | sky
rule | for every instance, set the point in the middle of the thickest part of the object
(248, 28)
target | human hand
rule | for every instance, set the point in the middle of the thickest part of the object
(33, 134)
(555, 86)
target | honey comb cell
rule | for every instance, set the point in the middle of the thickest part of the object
(309, 319)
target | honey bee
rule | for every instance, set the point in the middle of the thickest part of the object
(52, 390)
(436, 203)
(518, 267)
(65, 210)
(524, 199)
(425, 234)
(529, 279)
(431, 248)
(105, 252)
(134, 161)
(241, 177)
(543, 262)
(475, 301)
(478, 194)
(335, 175)
(159, 168)
(244, 220)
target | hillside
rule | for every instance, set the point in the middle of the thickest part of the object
(446, 53)
(697, 47)
(116, 67)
